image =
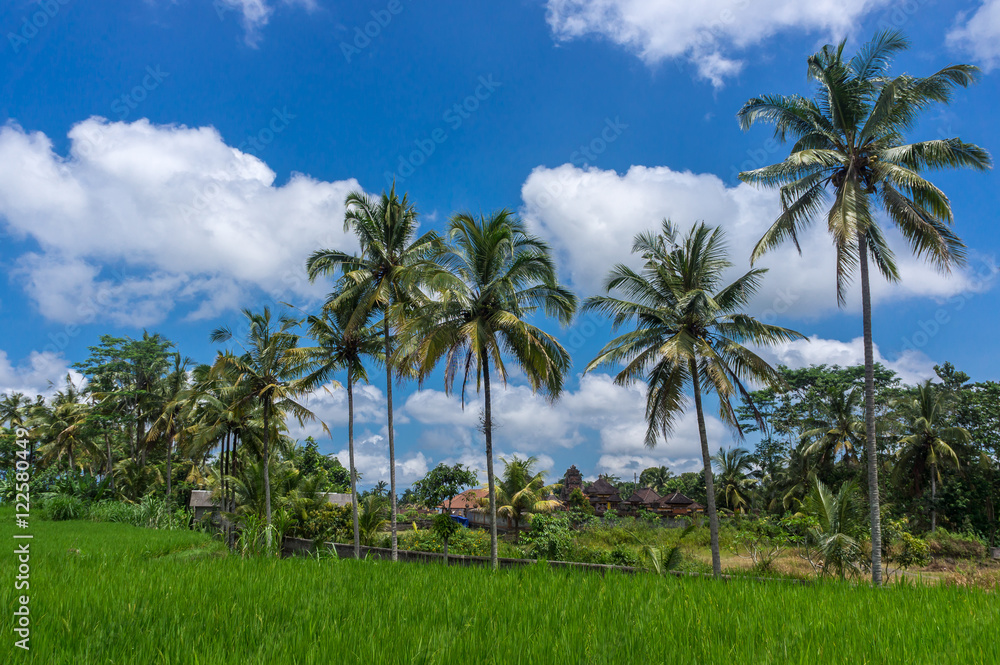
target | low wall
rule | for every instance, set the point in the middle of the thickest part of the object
(346, 551)
(995, 553)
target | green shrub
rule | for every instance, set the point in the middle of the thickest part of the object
(59, 507)
(328, 522)
(117, 511)
(464, 542)
(943, 544)
(549, 537)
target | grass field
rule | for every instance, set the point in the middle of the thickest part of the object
(110, 593)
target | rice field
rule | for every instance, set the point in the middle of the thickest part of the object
(112, 593)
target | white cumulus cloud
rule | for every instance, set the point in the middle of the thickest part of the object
(41, 373)
(590, 217)
(140, 218)
(977, 34)
(911, 365)
(708, 33)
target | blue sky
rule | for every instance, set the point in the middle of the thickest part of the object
(165, 163)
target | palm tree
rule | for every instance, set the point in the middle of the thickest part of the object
(342, 347)
(686, 333)
(837, 525)
(383, 278)
(655, 478)
(523, 491)
(850, 142)
(174, 397)
(930, 443)
(835, 428)
(495, 276)
(63, 426)
(267, 374)
(12, 409)
(733, 467)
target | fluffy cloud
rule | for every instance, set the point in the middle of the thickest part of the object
(590, 217)
(911, 365)
(978, 34)
(371, 457)
(704, 32)
(255, 14)
(41, 373)
(141, 218)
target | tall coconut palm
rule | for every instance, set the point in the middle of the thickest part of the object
(268, 375)
(735, 484)
(522, 491)
(495, 276)
(930, 443)
(340, 346)
(383, 279)
(688, 331)
(169, 422)
(835, 428)
(850, 143)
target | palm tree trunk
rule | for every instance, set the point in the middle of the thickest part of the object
(392, 440)
(72, 462)
(350, 448)
(873, 497)
(170, 449)
(267, 473)
(111, 466)
(490, 479)
(223, 471)
(933, 497)
(713, 515)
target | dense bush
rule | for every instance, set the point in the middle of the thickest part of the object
(549, 537)
(58, 507)
(944, 544)
(465, 542)
(327, 523)
(117, 511)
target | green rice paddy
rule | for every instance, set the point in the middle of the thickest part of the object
(111, 593)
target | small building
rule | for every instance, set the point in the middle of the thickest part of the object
(643, 498)
(462, 504)
(603, 496)
(677, 505)
(338, 499)
(201, 502)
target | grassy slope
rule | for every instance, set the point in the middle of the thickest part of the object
(105, 593)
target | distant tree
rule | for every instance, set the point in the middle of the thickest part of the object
(929, 443)
(522, 491)
(655, 478)
(443, 483)
(577, 500)
(732, 468)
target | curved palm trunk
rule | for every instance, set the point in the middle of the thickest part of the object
(933, 497)
(354, 475)
(267, 474)
(223, 471)
(170, 450)
(392, 440)
(490, 478)
(72, 461)
(713, 515)
(873, 495)
(110, 467)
